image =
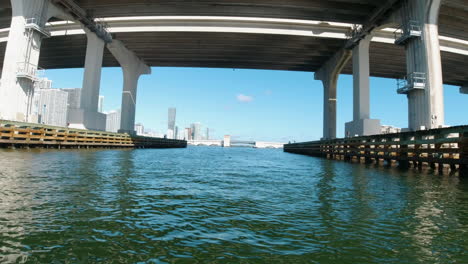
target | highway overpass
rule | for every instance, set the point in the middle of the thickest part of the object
(326, 37)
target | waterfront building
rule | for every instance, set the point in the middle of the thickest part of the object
(140, 129)
(188, 133)
(74, 97)
(51, 107)
(42, 83)
(390, 129)
(113, 121)
(170, 134)
(207, 135)
(196, 131)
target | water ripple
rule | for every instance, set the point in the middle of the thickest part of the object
(216, 205)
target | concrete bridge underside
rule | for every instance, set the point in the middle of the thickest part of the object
(295, 35)
(232, 50)
(453, 13)
(256, 51)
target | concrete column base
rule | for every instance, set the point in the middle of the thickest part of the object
(363, 127)
(81, 119)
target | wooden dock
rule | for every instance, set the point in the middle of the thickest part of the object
(27, 135)
(436, 148)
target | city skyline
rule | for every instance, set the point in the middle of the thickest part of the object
(251, 104)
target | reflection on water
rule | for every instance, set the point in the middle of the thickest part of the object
(220, 205)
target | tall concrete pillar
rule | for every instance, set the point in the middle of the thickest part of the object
(329, 74)
(87, 116)
(425, 106)
(361, 125)
(20, 66)
(92, 73)
(132, 67)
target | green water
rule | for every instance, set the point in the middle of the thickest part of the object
(215, 205)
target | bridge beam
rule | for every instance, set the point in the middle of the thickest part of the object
(425, 106)
(88, 117)
(329, 74)
(20, 66)
(362, 125)
(464, 89)
(132, 67)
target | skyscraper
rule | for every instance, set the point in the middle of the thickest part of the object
(140, 129)
(113, 121)
(207, 136)
(52, 107)
(188, 133)
(171, 118)
(176, 132)
(101, 104)
(74, 97)
(196, 131)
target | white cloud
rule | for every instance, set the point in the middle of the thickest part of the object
(244, 98)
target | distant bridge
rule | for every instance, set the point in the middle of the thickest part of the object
(225, 143)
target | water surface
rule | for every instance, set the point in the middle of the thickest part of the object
(216, 205)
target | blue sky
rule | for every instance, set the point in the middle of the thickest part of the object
(252, 104)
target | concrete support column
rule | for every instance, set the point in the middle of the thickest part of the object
(361, 79)
(329, 74)
(361, 125)
(425, 106)
(329, 107)
(133, 67)
(92, 73)
(20, 64)
(87, 116)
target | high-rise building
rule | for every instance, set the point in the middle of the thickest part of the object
(42, 83)
(171, 118)
(207, 135)
(196, 131)
(170, 134)
(188, 133)
(74, 97)
(113, 121)
(176, 132)
(140, 129)
(51, 107)
(101, 104)
(74, 101)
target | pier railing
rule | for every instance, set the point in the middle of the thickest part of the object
(16, 134)
(435, 147)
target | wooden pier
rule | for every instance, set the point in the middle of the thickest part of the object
(437, 148)
(27, 135)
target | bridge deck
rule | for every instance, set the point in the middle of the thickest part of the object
(445, 146)
(253, 51)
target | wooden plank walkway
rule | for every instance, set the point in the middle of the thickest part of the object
(436, 148)
(26, 135)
